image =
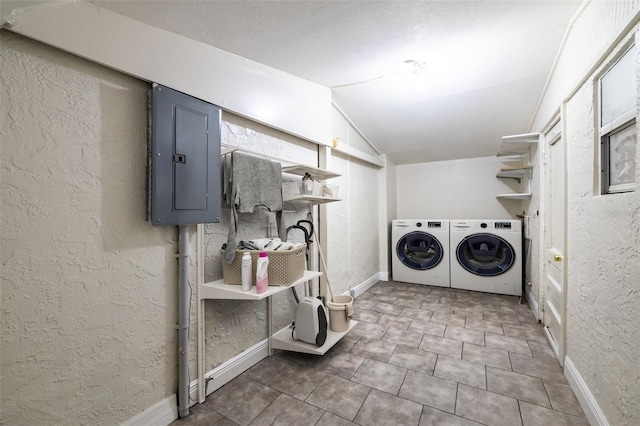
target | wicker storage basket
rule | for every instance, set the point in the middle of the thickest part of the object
(285, 267)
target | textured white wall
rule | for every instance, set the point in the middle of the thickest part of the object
(603, 232)
(353, 247)
(88, 287)
(603, 333)
(458, 189)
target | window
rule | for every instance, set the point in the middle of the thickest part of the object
(618, 130)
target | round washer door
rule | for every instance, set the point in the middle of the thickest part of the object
(419, 250)
(485, 254)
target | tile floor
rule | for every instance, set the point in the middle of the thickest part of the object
(419, 356)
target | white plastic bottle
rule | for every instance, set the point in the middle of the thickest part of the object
(246, 271)
(262, 275)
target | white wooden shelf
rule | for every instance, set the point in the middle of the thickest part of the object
(515, 196)
(219, 290)
(313, 199)
(315, 172)
(283, 340)
(515, 172)
(517, 144)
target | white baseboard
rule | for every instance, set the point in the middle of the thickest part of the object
(533, 303)
(231, 369)
(367, 284)
(161, 414)
(166, 411)
(585, 397)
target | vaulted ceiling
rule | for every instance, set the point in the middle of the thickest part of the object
(422, 80)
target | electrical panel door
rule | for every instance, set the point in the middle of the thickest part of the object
(184, 159)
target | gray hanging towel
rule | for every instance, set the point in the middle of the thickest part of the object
(256, 183)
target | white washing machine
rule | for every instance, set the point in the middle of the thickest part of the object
(420, 250)
(487, 256)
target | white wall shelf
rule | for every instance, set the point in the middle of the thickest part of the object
(518, 148)
(515, 196)
(515, 172)
(284, 340)
(315, 172)
(221, 291)
(517, 144)
(313, 199)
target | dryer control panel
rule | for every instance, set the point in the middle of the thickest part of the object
(503, 225)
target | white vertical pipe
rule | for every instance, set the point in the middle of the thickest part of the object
(202, 385)
(183, 322)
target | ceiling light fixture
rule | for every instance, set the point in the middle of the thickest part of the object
(419, 71)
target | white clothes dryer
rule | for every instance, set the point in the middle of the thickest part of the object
(420, 251)
(487, 256)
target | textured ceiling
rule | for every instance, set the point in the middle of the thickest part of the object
(486, 62)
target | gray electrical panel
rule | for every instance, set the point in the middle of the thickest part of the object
(184, 159)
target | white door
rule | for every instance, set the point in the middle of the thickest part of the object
(554, 307)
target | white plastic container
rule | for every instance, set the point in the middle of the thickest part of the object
(246, 271)
(262, 272)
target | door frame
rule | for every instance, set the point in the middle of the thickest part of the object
(545, 235)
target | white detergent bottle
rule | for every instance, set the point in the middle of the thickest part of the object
(246, 271)
(262, 275)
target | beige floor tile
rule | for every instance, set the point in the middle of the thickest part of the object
(544, 368)
(407, 293)
(340, 363)
(339, 396)
(369, 330)
(387, 308)
(363, 304)
(507, 343)
(414, 359)
(403, 337)
(487, 356)
(515, 385)
(458, 370)
(432, 391)
(374, 349)
(366, 315)
(329, 419)
(383, 409)
(386, 300)
(487, 407)
(436, 307)
(416, 314)
(428, 327)
(297, 381)
(285, 411)
(563, 399)
(534, 415)
(465, 335)
(380, 375)
(449, 319)
(432, 417)
(541, 349)
(484, 325)
(266, 369)
(244, 401)
(408, 303)
(527, 332)
(440, 345)
(395, 321)
(502, 317)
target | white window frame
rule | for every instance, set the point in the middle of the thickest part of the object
(618, 124)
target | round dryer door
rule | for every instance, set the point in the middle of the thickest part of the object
(419, 250)
(485, 254)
